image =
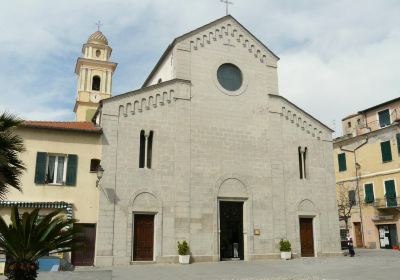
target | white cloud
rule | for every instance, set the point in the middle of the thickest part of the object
(337, 57)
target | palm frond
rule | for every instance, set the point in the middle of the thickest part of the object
(11, 145)
(27, 239)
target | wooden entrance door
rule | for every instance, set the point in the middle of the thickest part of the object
(84, 255)
(358, 235)
(143, 237)
(306, 237)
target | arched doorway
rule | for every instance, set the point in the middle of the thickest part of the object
(232, 198)
(145, 210)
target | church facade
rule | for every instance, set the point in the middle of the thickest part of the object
(207, 151)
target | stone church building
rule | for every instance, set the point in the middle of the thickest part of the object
(208, 151)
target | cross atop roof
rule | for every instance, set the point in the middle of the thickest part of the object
(227, 3)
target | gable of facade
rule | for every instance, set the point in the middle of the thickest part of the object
(226, 30)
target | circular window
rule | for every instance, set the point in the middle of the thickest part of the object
(98, 52)
(229, 76)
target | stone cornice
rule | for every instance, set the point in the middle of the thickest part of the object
(241, 37)
(300, 118)
(94, 62)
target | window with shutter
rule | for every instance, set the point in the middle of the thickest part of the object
(342, 162)
(352, 197)
(55, 169)
(72, 166)
(386, 151)
(40, 169)
(390, 193)
(398, 142)
(384, 118)
(369, 193)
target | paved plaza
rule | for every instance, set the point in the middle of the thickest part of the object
(368, 264)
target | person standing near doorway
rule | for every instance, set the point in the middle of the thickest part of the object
(350, 245)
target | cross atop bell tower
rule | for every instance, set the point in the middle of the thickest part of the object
(95, 71)
(98, 24)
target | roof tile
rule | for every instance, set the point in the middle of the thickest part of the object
(74, 126)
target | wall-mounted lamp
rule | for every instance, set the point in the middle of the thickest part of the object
(100, 171)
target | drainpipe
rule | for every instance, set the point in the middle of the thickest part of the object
(357, 167)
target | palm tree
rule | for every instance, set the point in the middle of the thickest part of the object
(28, 238)
(11, 144)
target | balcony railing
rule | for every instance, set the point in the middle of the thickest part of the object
(386, 203)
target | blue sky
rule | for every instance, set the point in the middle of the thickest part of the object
(337, 57)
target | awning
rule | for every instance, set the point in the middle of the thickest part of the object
(68, 207)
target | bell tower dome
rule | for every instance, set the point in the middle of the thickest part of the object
(95, 71)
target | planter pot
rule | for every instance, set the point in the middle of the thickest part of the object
(286, 255)
(184, 259)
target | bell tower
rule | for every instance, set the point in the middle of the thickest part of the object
(95, 71)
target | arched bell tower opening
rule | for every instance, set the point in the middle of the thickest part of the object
(96, 83)
(95, 71)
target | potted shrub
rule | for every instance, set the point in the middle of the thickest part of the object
(183, 251)
(286, 249)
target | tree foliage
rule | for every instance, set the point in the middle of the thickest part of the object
(11, 144)
(345, 205)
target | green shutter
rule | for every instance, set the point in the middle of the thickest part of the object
(384, 118)
(369, 193)
(342, 162)
(40, 169)
(352, 197)
(72, 165)
(386, 151)
(398, 142)
(390, 193)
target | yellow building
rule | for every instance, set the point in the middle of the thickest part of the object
(62, 157)
(367, 167)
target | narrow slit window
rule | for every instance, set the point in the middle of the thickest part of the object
(300, 163)
(149, 148)
(305, 163)
(142, 149)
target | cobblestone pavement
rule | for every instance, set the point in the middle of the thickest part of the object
(367, 264)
